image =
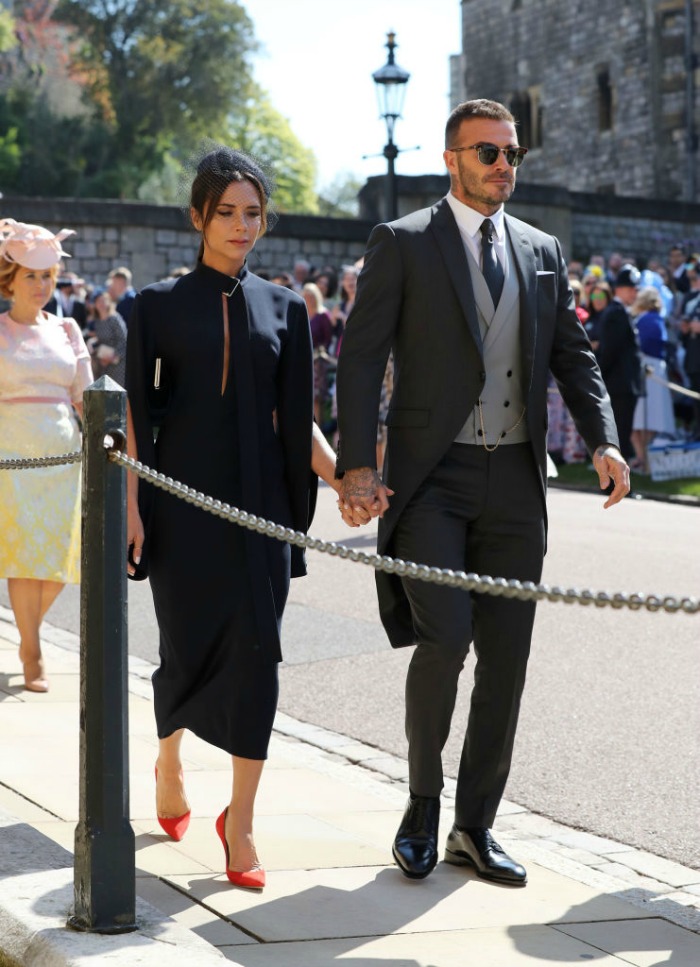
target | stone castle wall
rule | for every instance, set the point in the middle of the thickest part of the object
(585, 223)
(557, 63)
(152, 240)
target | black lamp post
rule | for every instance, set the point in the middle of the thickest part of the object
(390, 83)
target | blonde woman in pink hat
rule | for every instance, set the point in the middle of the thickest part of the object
(44, 368)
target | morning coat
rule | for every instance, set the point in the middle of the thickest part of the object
(415, 299)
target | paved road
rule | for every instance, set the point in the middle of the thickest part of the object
(609, 729)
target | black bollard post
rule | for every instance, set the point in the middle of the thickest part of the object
(105, 865)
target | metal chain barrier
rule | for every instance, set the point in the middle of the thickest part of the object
(522, 590)
(650, 374)
(24, 463)
(676, 387)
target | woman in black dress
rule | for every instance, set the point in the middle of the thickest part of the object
(220, 362)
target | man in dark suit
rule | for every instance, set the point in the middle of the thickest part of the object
(69, 292)
(121, 291)
(476, 308)
(619, 355)
(68, 299)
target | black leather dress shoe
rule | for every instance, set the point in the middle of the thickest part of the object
(478, 848)
(415, 846)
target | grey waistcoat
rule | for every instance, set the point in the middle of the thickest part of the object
(502, 396)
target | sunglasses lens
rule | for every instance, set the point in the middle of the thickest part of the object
(514, 156)
(488, 153)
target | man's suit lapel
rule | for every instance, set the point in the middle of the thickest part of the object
(449, 242)
(526, 268)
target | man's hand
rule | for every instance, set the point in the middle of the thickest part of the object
(611, 468)
(362, 496)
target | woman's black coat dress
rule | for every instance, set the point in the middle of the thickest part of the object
(220, 590)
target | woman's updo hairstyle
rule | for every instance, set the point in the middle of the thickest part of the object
(215, 172)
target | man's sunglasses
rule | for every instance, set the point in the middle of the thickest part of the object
(488, 153)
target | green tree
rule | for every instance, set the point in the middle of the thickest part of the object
(338, 199)
(7, 31)
(42, 153)
(257, 127)
(10, 156)
(158, 76)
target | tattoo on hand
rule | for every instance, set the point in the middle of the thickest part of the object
(606, 450)
(361, 484)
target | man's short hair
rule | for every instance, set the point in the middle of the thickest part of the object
(478, 108)
(120, 273)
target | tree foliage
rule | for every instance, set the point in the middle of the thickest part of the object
(148, 81)
(338, 199)
(257, 127)
(7, 31)
(160, 74)
(41, 153)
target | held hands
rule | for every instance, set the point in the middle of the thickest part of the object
(362, 496)
(611, 468)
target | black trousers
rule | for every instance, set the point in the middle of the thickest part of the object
(694, 380)
(480, 512)
(623, 407)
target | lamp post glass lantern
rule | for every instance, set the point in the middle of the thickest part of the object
(390, 84)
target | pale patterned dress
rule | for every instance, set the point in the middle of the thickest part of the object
(43, 370)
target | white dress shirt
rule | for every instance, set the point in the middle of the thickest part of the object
(469, 225)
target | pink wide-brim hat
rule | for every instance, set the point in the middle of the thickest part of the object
(32, 246)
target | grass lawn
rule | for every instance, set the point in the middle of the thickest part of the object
(577, 474)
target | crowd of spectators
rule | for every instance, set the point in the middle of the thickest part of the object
(102, 311)
(643, 324)
(329, 293)
(644, 327)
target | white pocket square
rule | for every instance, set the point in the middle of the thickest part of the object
(542, 272)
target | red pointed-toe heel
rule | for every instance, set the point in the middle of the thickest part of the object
(250, 879)
(175, 826)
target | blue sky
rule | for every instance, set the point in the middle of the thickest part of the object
(317, 59)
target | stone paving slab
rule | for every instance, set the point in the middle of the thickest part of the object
(193, 916)
(658, 868)
(527, 947)
(291, 842)
(37, 898)
(647, 943)
(374, 901)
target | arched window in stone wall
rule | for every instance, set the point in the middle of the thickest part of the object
(526, 108)
(520, 109)
(605, 99)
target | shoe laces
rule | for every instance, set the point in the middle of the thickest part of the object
(493, 845)
(489, 842)
(420, 806)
